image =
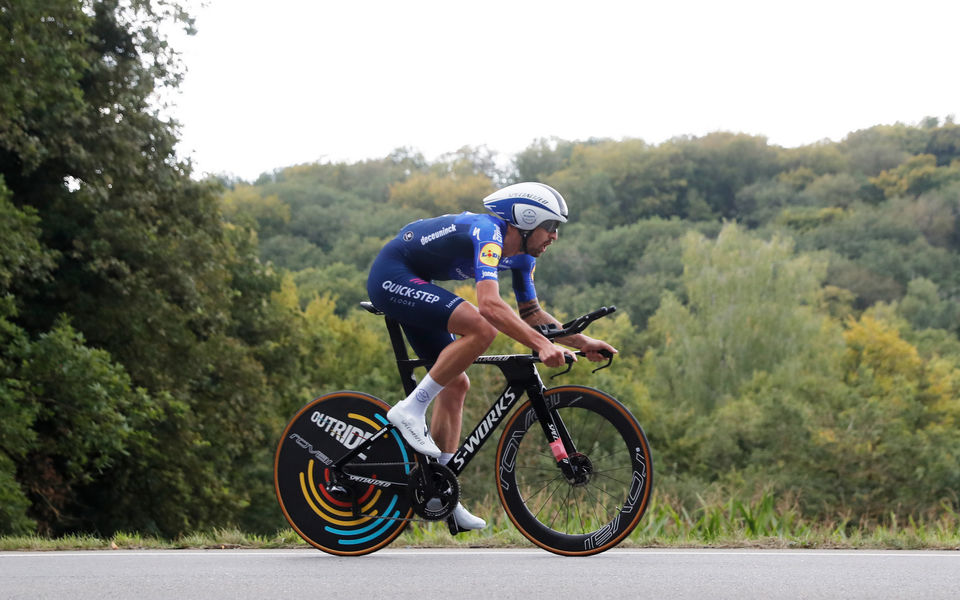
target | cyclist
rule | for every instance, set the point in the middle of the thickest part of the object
(523, 222)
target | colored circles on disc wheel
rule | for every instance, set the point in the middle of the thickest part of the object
(340, 515)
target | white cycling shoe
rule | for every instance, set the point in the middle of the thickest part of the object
(414, 431)
(465, 520)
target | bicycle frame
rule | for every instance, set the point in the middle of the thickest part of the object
(522, 377)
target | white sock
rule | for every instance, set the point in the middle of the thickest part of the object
(418, 401)
(445, 457)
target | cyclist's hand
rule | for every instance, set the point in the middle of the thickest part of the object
(553, 355)
(593, 348)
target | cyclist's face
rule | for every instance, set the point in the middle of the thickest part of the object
(539, 239)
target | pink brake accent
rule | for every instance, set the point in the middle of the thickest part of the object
(559, 452)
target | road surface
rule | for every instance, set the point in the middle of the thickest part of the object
(473, 574)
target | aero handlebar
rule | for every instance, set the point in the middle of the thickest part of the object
(552, 332)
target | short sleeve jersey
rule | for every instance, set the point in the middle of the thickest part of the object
(465, 246)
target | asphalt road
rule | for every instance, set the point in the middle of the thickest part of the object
(479, 574)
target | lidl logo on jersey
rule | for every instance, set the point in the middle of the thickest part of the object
(490, 254)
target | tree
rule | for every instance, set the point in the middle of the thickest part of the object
(723, 163)
(882, 147)
(730, 369)
(822, 158)
(145, 337)
(892, 442)
(454, 185)
(945, 143)
(23, 261)
(244, 205)
(42, 60)
(916, 175)
(834, 190)
(759, 203)
(749, 309)
(542, 158)
(925, 309)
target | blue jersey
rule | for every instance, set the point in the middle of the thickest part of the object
(464, 246)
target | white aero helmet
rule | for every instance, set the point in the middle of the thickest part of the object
(528, 205)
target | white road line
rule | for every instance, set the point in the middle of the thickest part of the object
(492, 552)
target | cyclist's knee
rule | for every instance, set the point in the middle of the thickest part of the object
(488, 333)
(467, 321)
(484, 331)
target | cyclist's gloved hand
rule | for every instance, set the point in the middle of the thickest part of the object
(553, 355)
(597, 350)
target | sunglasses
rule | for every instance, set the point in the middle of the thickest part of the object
(550, 226)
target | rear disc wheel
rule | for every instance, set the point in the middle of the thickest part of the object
(336, 514)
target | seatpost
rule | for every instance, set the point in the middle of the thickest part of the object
(403, 359)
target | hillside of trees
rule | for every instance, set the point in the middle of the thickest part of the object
(788, 317)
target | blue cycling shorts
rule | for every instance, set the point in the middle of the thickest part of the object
(421, 307)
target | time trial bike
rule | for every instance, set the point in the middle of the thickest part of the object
(573, 468)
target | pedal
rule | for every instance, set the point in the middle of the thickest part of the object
(454, 528)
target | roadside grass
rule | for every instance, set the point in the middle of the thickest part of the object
(759, 523)
(215, 539)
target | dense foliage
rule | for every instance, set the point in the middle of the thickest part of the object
(138, 349)
(788, 325)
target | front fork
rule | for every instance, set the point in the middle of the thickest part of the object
(557, 436)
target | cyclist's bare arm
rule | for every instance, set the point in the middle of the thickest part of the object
(501, 315)
(532, 313)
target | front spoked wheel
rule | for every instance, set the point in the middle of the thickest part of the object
(598, 507)
(330, 510)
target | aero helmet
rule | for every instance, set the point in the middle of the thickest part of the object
(527, 205)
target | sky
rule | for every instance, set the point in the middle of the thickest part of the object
(286, 82)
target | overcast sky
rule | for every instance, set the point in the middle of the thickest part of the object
(273, 84)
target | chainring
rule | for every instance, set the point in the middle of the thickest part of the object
(440, 504)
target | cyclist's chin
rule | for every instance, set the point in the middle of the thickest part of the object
(536, 252)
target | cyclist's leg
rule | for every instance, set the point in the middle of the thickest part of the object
(446, 422)
(428, 344)
(443, 349)
(476, 335)
(450, 358)
(424, 310)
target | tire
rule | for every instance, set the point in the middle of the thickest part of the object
(322, 432)
(567, 519)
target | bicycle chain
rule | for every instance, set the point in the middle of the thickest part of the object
(404, 484)
(411, 520)
(369, 464)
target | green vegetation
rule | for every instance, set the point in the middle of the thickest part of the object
(788, 325)
(763, 522)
